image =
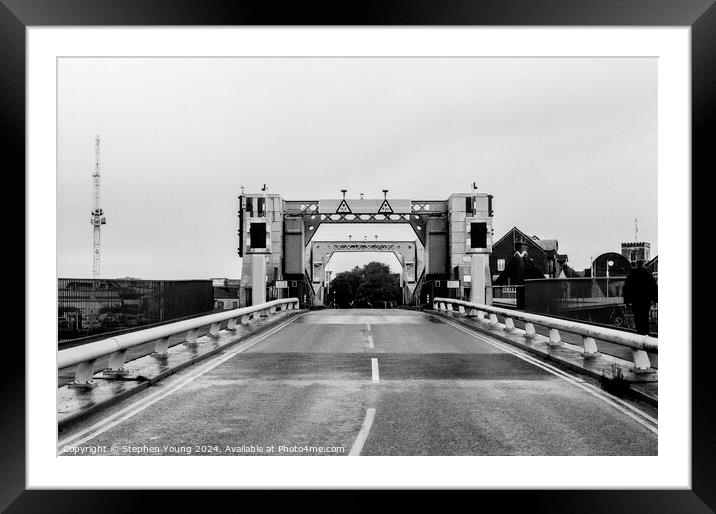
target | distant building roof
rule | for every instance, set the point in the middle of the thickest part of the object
(547, 244)
(515, 232)
(570, 272)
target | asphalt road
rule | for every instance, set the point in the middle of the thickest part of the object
(368, 382)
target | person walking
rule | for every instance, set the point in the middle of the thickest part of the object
(640, 291)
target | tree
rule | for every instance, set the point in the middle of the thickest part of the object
(373, 284)
(344, 287)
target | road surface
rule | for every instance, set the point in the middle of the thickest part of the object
(368, 382)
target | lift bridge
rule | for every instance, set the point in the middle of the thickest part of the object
(453, 240)
(451, 377)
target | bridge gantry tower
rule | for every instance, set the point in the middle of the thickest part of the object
(449, 257)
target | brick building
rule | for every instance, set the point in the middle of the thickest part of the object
(544, 253)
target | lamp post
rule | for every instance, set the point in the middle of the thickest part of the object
(609, 263)
(328, 287)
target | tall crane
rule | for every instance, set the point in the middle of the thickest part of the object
(97, 219)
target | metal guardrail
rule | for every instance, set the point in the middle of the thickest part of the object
(85, 357)
(639, 344)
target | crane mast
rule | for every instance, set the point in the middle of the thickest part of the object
(97, 219)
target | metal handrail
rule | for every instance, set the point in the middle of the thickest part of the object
(85, 356)
(639, 344)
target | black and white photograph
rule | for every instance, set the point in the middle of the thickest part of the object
(357, 256)
(425, 241)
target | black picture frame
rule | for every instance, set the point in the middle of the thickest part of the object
(700, 15)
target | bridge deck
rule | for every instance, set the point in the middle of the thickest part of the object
(370, 382)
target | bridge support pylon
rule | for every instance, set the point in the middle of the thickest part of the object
(258, 279)
(480, 277)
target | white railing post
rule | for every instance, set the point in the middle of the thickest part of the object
(554, 337)
(215, 329)
(161, 347)
(461, 309)
(472, 312)
(245, 319)
(191, 338)
(231, 325)
(84, 375)
(530, 330)
(480, 315)
(116, 365)
(493, 320)
(449, 307)
(272, 310)
(641, 360)
(509, 324)
(590, 347)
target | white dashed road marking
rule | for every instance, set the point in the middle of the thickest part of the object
(374, 365)
(363, 434)
(368, 337)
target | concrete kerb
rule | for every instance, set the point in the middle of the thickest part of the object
(510, 338)
(144, 382)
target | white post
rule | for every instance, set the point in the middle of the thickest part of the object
(84, 374)
(215, 329)
(461, 309)
(161, 347)
(641, 360)
(590, 347)
(554, 337)
(493, 320)
(509, 324)
(116, 364)
(529, 330)
(245, 319)
(231, 325)
(191, 338)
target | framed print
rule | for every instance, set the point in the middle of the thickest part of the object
(429, 219)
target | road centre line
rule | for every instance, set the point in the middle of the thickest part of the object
(367, 337)
(369, 341)
(374, 366)
(363, 434)
(138, 406)
(615, 402)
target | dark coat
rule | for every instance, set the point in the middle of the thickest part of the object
(519, 268)
(640, 287)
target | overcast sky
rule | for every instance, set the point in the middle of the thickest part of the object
(568, 148)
